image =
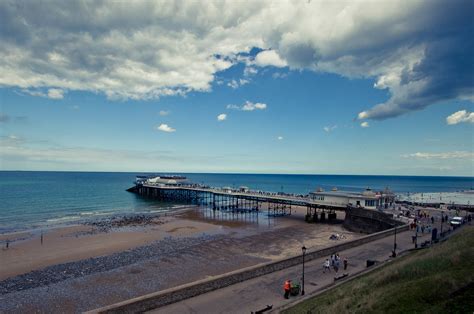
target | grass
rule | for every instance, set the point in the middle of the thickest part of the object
(436, 280)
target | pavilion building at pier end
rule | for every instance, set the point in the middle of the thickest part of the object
(367, 199)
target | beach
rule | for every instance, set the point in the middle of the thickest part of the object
(93, 261)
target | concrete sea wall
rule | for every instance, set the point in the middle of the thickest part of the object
(368, 220)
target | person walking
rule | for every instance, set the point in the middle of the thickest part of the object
(345, 263)
(287, 288)
(327, 266)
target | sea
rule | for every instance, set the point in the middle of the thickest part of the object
(37, 199)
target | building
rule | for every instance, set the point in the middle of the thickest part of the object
(367, 199)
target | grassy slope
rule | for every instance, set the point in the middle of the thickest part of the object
(435, 280)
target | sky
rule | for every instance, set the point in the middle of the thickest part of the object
(304, 87)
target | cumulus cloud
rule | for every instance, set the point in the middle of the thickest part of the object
(444, 155)
(164, 113)
(269, 58)
(419, 51)
(221, 117)
(248, 106)
(279, 138)
(365, 124)
(234, 84)
(460, 116)
(165, 128)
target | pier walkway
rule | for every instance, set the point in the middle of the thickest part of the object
(225, 199)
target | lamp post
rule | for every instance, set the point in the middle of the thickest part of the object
(416, 236)
(303, 249)
(441, 222)
(395, 243)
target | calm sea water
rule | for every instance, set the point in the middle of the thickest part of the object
(41, 199)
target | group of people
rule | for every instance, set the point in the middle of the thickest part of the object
(334, 262)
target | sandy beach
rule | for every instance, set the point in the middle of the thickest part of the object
(72, 243)
(94, 261)
(26, 252)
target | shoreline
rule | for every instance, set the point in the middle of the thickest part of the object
(35, 249)
(86, 219)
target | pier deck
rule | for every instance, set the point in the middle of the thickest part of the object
(221, 199)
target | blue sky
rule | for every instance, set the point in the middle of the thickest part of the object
(294, 101)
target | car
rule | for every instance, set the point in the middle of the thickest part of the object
(456, 221)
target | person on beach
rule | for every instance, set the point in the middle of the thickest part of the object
(41, 237)
(287, 288)
(327, 266)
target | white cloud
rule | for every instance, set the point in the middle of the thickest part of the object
(248, 106)
(460, 116)
(279, 75)
(221, 117)
(243, 82)
(269, 58)
(55, 93)
(330, 128)
(365, 124)
(75, 107)
(146, 50)
(52, 93)
(279, 138)
(444, 155)
(250, 70)
(233, 84)
(164, 113)
(165, 128)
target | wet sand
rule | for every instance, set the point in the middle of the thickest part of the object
(72, 243)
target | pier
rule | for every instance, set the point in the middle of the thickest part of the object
(239, 201)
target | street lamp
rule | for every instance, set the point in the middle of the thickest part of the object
(416, 236)
(395, 243)
(441, 222)
(303, 249)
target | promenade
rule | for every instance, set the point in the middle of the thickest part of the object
(255, 294)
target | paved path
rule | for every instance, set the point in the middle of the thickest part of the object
(256, 293)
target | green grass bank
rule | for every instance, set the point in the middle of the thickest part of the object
(435, 280)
